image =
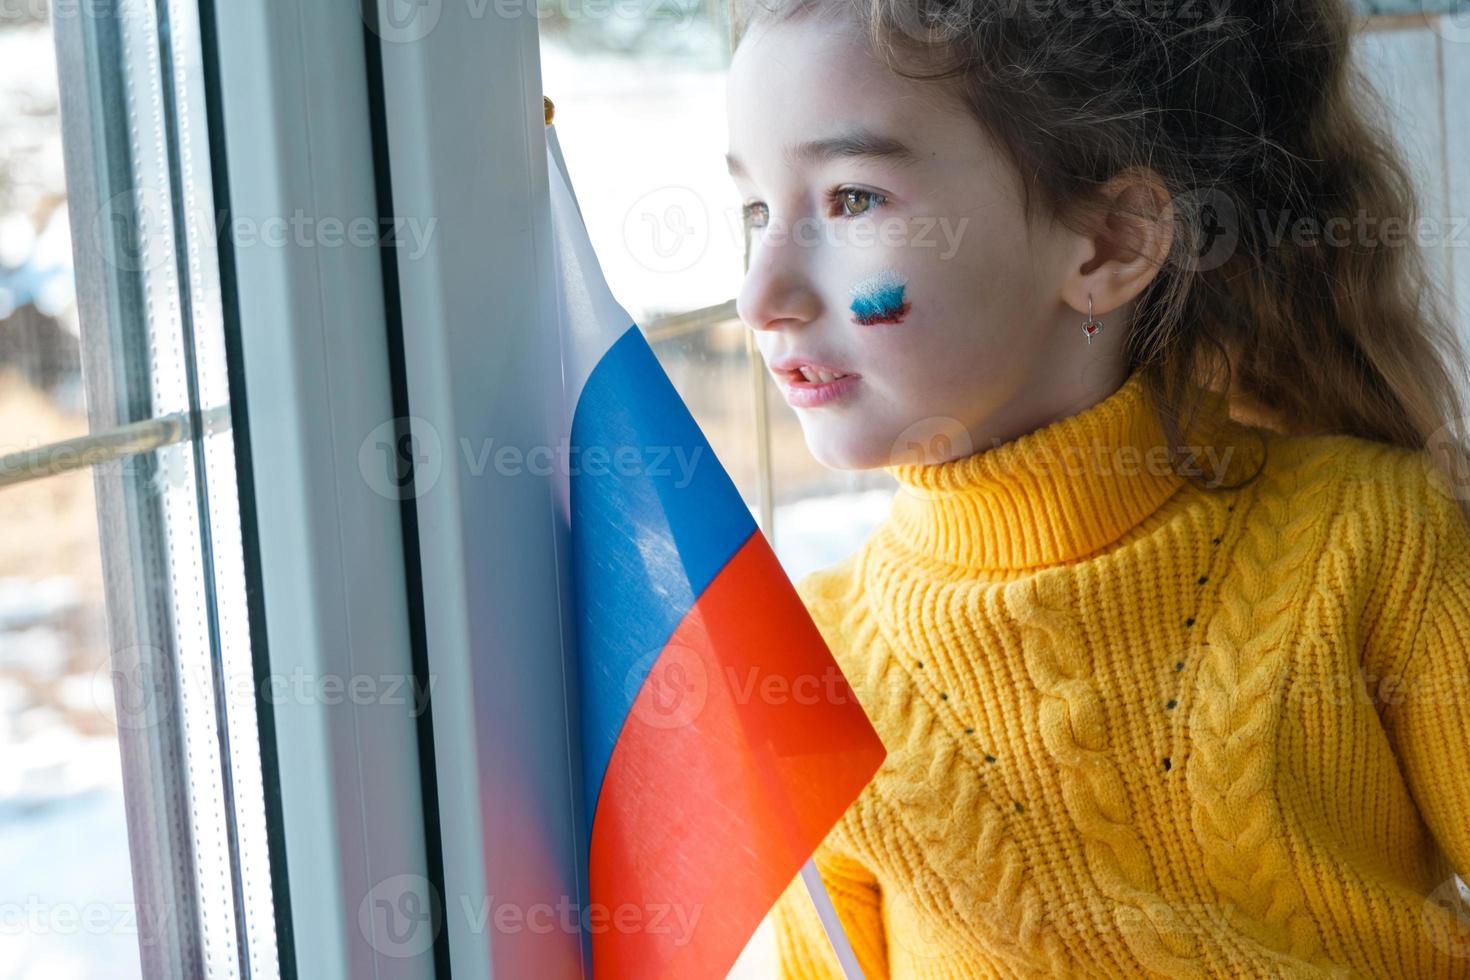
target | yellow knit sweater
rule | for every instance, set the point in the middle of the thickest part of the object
(1141, 728)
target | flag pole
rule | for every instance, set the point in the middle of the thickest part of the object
(827, 912)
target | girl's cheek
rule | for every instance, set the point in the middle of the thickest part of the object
(880, 299)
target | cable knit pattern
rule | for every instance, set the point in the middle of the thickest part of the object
(1074, 730)
(972, 839)
(1233, 725)
(1137, 726)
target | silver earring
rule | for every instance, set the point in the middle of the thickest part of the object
(1092, 324)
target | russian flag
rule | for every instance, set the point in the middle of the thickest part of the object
(720, 740)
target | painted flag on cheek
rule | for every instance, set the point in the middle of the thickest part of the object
(720, 741)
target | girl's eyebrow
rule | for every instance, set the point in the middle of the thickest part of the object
(854, 143)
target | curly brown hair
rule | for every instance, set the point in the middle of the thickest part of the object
(1258, 122)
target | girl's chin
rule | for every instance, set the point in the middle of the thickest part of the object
(845, 450)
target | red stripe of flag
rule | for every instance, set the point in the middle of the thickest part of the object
(740, 753)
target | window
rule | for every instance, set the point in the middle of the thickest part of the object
(132, 813)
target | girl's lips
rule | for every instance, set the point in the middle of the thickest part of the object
(801, 393)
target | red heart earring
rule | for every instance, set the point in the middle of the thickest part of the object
(1092, 324)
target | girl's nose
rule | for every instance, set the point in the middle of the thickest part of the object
(777, 292)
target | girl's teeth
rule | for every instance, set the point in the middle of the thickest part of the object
(821, 377)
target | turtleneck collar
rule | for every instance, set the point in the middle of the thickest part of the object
(1061, 492)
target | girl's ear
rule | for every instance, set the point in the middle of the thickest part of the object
(1129, 246)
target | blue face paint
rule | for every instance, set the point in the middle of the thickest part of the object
(879, 299)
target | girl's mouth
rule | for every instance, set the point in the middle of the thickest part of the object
(813, 375)
(807, 385)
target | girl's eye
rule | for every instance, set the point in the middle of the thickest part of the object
(854, 200)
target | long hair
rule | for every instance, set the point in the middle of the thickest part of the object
(1294, 284)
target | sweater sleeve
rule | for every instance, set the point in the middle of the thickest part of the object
(1430, 712)
(802, 949)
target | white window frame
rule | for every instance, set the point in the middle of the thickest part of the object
(467, 145)
(297, 133)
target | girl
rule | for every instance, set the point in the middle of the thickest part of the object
(1168, 631)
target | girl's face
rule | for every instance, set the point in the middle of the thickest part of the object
(888, 244)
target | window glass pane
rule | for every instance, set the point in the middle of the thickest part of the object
(66, 892)
(821, 514)
(132, 827)
(641, 120)
(710, 368)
